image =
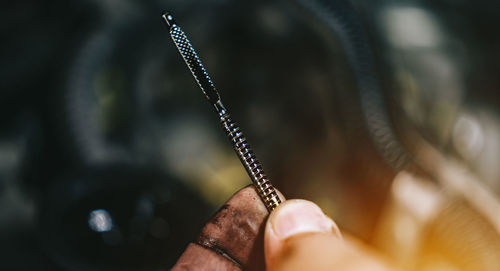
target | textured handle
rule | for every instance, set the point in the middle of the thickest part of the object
(194, 63)
(252, 165)
(264, 187)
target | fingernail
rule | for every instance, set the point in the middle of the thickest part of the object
(300, 216)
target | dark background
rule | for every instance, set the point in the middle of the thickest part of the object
(98, 112)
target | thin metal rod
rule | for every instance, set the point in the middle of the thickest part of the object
(247, 157)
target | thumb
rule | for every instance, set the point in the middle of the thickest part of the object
(299, 236)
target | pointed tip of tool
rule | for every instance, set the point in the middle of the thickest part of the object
(169, 19)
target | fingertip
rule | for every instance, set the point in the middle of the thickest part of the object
(299, 216)
(293, 218)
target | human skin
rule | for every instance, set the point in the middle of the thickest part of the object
(296, 236)
(232, 239)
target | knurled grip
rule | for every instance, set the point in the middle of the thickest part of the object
(252, 165)
(194, 63)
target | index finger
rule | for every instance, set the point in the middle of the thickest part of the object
(232, 239)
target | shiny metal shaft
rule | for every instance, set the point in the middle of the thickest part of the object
(247, 157)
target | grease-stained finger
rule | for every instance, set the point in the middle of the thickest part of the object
(232, 239)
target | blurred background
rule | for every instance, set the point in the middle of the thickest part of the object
(384, 112)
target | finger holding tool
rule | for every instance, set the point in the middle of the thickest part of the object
(233, 238)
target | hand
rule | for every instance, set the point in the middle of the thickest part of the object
(297, 236)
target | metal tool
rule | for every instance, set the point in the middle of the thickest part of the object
(247, 157)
